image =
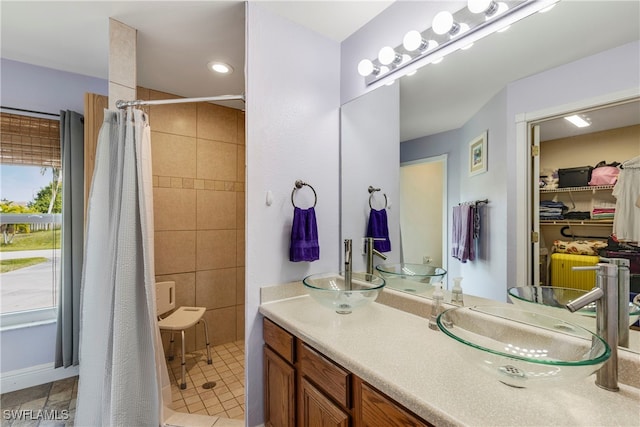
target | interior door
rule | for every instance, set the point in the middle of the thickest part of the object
(535, 205)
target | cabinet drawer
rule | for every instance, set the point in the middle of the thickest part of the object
(281, 341)
(378, 410)
(317, 410)
(331, 378)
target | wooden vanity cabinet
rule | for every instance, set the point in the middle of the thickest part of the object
(304, 388)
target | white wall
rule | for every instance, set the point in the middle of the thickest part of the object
(292, 124)
(370, 137)
(41, 89)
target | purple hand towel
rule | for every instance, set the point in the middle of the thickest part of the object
(378, 228)
(304, 236)
(462, 234)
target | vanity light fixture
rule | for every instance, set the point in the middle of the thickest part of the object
(578, 121)
(220, 67)
(449, 32)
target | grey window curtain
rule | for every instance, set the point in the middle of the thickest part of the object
(72, 247)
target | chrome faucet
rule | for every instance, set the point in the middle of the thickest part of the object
(348, 254)
(606, 297)
(371, 251)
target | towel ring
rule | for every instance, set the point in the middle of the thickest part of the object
(373, 190)
(298, 185)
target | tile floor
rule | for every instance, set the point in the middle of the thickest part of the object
(225, 400)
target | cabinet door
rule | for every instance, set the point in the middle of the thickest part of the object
(279, 391)
(318, 411)
(375, 409)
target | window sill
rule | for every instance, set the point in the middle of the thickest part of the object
(27, 319)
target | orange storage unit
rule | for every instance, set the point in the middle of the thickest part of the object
(563, 276)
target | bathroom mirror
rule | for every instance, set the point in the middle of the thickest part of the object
(431, 105)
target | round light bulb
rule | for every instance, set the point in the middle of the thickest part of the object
(478, 6)
(220, 67)
(442, 22)
(386, 55)
(365, 67)
(432, 44)
(412, 40)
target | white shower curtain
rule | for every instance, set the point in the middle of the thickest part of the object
(123, 374)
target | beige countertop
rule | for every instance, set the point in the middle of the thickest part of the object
(396, 352)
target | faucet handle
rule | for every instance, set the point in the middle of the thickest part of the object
(586, 268)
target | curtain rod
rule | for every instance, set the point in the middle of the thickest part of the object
(124, 104)
(29, 111)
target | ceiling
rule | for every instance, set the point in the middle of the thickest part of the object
(178, 38)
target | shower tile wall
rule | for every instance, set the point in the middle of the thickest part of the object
(198, 181)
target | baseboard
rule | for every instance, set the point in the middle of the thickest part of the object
(34, 375)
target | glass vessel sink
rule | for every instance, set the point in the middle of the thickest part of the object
(551, 300)
(330, 290)
(521, 348)
(417, 278)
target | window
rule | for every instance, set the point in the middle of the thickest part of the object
(30, 218)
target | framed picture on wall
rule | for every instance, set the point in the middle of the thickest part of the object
(478, 154)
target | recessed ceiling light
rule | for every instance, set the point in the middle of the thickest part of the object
(577, 121)
(220, 67)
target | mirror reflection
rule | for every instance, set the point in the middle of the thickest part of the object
(444, 107)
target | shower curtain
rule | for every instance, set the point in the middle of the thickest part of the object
(123, 374)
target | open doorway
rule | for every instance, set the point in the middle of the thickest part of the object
(584, 210)
(423, 205)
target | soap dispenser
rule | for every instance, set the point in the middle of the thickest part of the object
(436, 307)
(456, 292)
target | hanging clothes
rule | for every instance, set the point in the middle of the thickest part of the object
(123, 374)
(626, 222)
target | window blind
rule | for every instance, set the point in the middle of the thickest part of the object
(26, 140)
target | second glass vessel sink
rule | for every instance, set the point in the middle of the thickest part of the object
(407, 277)
(551, 300)
(521, 348)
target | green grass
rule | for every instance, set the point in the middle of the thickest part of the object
(15, 264)
(33, 241)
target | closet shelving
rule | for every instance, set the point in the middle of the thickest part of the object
(593, 189)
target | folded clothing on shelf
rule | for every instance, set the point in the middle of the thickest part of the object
(551, 210)
(577, 215)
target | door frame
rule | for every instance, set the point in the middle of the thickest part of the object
(524, 184)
